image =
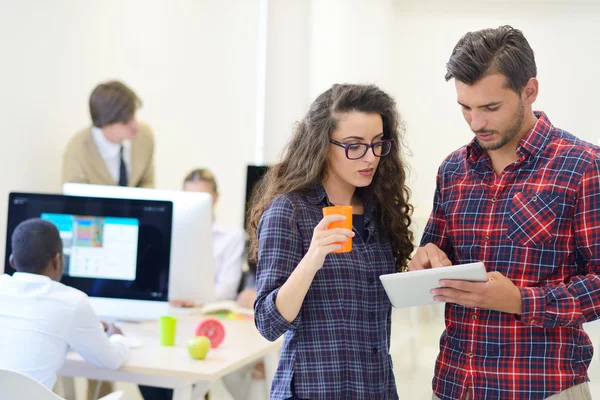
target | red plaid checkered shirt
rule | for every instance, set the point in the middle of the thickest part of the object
(538, 223)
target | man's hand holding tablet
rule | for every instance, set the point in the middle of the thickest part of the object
(498, 293)
(428, 256)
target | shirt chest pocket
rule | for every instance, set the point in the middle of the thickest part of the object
(533, 218)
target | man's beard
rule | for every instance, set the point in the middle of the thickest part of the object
(509, 134)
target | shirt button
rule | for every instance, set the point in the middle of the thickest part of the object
(486, 238)
(532, 321)
(494, 199)
(474, 316)
(534, 199)
(375, 350)
(372, 316)
(470, 355)
(371, 281)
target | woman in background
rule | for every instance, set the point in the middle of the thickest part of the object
(228, 242)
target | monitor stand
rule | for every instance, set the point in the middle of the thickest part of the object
(129, 310)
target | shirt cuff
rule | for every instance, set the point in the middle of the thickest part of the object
(118, 339)
(279, 324)
(533, 306)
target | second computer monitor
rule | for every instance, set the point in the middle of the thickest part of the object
(192, 275)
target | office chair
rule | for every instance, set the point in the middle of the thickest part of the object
(17, 386)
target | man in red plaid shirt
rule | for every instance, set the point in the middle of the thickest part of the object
(524, 198)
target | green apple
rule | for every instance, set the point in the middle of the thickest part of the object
(198, 347)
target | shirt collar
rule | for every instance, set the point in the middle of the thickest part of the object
(27, 277)
(537, 138)
(317, 195)
(218, 229)
(532, 143)
(104, 145)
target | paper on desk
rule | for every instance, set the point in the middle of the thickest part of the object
(226, 307)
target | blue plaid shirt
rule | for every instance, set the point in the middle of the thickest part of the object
(338, 346)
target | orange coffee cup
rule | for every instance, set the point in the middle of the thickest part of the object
(346, 211)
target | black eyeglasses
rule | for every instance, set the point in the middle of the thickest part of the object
(354, 151)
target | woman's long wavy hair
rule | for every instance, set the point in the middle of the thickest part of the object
(305, 162)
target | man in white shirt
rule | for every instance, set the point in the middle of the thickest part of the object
(41, 319)
(116, 149)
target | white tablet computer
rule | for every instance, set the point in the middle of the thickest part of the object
(408, 289)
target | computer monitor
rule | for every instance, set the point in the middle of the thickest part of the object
(116, 251)
(254, 175)
(192, 261)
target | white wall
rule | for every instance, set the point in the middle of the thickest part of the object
(192, 63)
(351, 41)
(403, 46)
(288, 78)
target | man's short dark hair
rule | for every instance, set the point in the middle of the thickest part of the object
(113, 102)
(502, 50)
(34, 243)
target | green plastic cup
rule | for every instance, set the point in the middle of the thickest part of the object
(168, 327)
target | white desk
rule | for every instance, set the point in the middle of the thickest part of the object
(172, 367)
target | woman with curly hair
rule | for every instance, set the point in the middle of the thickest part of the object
(331, 307)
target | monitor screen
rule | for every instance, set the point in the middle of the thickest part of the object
(254, 175)
(113, 248)
(98, 247)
